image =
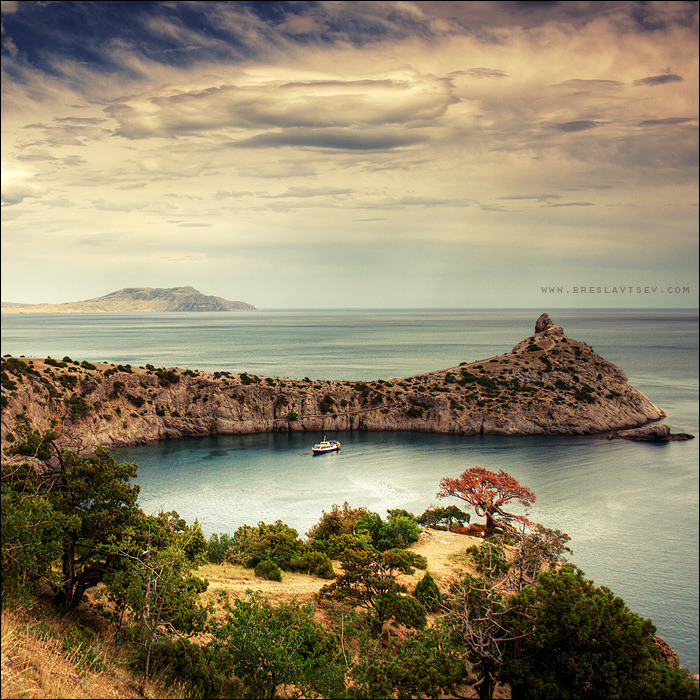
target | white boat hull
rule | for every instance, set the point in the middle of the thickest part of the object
(325, 447)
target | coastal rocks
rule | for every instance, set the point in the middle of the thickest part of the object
(650, 433)
(547, 385)
(542, 323)
(666, 652)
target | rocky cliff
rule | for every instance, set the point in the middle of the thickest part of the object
(547, 384)
(137, 299)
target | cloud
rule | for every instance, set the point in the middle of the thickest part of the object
(18, 185)
(406, 99)
(308, 192)
(581, 125)
(398, 126)
(482, 73)
(669, 121)
(226, 194)
(587, 86)
(654, 80)
(334, 139)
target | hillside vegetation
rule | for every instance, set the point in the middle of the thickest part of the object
(100, 599)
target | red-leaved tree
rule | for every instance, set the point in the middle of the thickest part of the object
(488, 492)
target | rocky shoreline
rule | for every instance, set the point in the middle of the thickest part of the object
(650, 433)
(547, 384)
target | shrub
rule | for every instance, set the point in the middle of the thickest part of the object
(275, 541)
(325, 405)
(167, 377)
(78, 407)
(403, 610)
(268, 570)
(138, 401)
(335, 545)
(194, 665)
(217, 547)
(313, 562)
(428, 593)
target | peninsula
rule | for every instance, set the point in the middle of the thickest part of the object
(547, 384)
(136, 299)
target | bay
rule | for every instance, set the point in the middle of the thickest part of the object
(631, 509)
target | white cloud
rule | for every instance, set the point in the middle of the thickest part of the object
(482, 133)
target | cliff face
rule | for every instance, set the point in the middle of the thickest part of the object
(547, 385)
(138, 299)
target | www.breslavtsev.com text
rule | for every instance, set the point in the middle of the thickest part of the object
(616, 290)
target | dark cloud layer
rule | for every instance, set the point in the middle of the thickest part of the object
(653, 80)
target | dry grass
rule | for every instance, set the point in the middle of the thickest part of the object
(46, 656)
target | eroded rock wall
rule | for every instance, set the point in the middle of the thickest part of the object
(547, 385)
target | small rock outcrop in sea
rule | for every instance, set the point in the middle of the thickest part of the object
(650, 433)
(547, 384)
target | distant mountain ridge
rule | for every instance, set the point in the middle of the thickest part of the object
(137, 299)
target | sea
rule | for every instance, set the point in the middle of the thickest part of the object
(631, 509)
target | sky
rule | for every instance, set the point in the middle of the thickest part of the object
(352, 154)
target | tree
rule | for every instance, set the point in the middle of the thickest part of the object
(340, 521)
(541, 549)
(269, 646)
(398, 532)
(423, 664)
(481, 618)
(586, 644)
(487, 492)
(369, 580)
(428, 593)
(217, 547)
(31, 531)
(276, 546)
(441, 518)
(155, 579)
(274, 541)
(358, 528)
(95, 497)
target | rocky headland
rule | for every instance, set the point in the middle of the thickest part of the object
(136, 299)
(547, 384)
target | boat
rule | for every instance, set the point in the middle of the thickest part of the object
(324, 446)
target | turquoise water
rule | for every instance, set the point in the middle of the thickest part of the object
(631, 509)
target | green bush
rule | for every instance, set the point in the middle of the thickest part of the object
(583, 642)
(78, 407)
(428, 593)
(312, 562)
(35, 444)
(268, 570)
(403, 610)
(194, 665)
(217, 547)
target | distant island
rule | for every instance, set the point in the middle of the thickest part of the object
(134, 300)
